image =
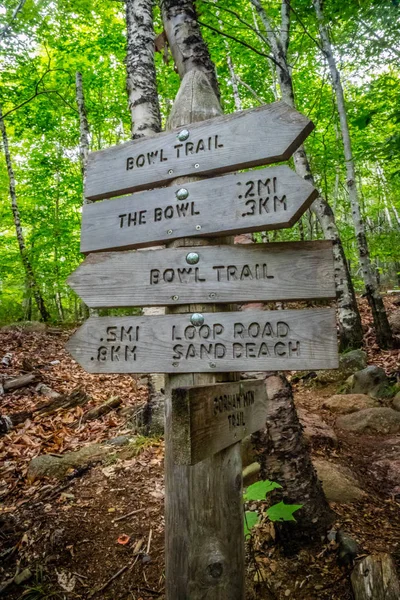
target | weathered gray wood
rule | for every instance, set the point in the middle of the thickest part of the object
(285, 340)
(208, 418)
(271, 198)
(259, 272)
(18, 382)
(261, 200)
(257, 136)
(375, 578)
(204, 542)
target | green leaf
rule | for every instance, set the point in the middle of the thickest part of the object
(282, 511)
(258, 490)
(250, 519)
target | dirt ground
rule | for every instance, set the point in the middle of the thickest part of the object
(98, 533)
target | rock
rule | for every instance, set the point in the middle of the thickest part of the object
(23, 576)
(316, 430)
(349, 363)
(396, 401)
(348, 403)
(370, 421)
(394, 321)
(251, 474)
(372, 381)
(348, 548)
(47, 465)
(120, 440)
(338, 482)
(388, 470)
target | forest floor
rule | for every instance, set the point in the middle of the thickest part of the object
(71, 534)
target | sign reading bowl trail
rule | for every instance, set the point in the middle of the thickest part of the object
(209, 418)
(248, 138)
(260, 200)
(208, 274)
(279, 340)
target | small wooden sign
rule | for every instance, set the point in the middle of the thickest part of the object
(208, 274)
(260, 200)
(279, 340)
(248, 138)
(208, 418)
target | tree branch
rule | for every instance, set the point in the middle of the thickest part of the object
(37, 93)
(238, 17)
(231, 37)
(6, 28)
(250, 89)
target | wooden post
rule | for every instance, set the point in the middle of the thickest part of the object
(203, 503)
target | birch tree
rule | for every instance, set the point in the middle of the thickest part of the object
(348, 314)
(141, 86)
(84, 132)
(30, 276)
(381, 323)
(141, 74)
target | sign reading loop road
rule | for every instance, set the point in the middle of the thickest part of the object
(281, 340)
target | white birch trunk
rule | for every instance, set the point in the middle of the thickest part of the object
(140, 69)
(30, 277)
(235, 88)
(84, 146)
(180, 24)
(141, 86)
(348, 315)
(84, 132)
(382, 327)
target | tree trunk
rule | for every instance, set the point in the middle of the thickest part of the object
(375, 578)
(144, 107)
(17, 222)
(234, 82)
(141, 74)
(284, 457)
(182, 30)
(84, 145)
(350, 329)
(381, 323)
(83, 127)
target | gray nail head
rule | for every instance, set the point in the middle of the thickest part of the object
(183, 135)
(192, 258)
(197, 319)
(182, 194)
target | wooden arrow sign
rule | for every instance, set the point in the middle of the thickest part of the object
(208, 274)
(258, 136)
(208, 418)
(279, 340)
(260, 200)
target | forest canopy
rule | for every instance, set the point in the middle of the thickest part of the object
(44, 44)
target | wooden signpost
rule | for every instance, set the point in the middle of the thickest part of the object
(271, 198)
(258, 136)
(204, 423)
(247, 273)
(208, 418)
(276, 340)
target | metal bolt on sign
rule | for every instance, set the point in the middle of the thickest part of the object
(197, 319)
(192, 258)
(183, 135)
(182, 194)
